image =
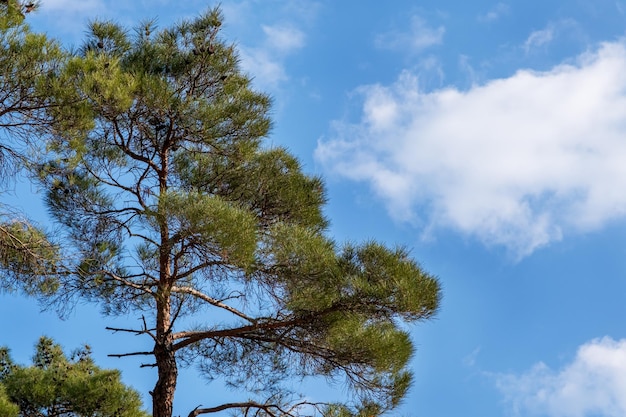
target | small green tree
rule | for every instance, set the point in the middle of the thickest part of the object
(173, 209)
(56, 386)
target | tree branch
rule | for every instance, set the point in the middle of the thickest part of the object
(126, 282)
(121, 355)
(273, 410)
(193, 337)
(251, 404)
(196, 268)
(212, 301)
(145, 330)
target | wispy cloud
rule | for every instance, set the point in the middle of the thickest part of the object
(543, 37)
(283, 38)
(263, 66)
(539, 38)
(495, 13)
(420, 36)
(514, 162)
(268, 44)
(593, 384)
(266, 61)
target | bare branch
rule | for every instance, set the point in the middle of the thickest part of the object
(274, 410)
(121, 355)
(126, 282)
(148, 365)
(197, 411)
(212, 301)
(145, 330)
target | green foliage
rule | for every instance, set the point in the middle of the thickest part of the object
(10, 15)
(7, 408)
(269, 183)
(197, 216)
(29, 259)
(57, 385)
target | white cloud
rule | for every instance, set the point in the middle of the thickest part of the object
(263, 66)
(539, 38)
(266, 61)
(593, 384)
(499, 10)
(421, 36)
(470, 360)
(514, 162)
(265, 48)
(542, 38)
(284, 38)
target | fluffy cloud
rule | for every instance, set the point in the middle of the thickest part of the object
(592, 385)
(514, 162)
(420, 36)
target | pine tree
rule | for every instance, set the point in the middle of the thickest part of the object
(56, 385)
(174, 209)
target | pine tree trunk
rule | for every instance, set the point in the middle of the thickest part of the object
(163, 393)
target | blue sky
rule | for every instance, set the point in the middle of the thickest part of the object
(489, 137)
